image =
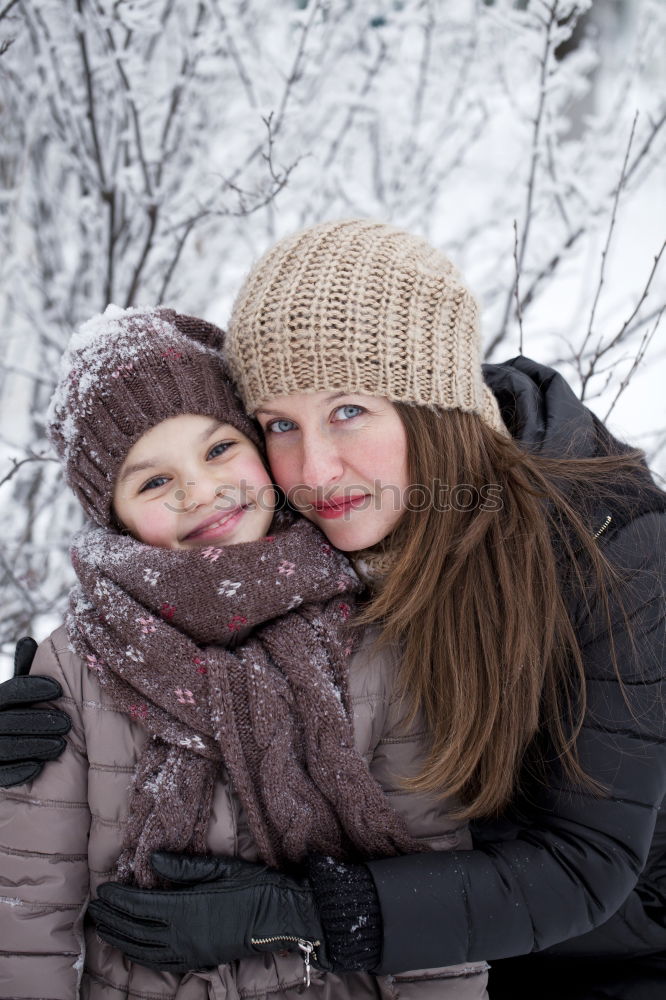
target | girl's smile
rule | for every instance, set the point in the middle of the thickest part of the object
(217, 525)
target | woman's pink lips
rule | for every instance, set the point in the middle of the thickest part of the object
(338, 506)
(217, 525)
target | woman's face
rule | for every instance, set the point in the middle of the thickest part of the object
(341, 458)
(191, 482)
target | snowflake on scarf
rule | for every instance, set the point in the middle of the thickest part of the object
(185, 696)
(211, 553)
(192, 743)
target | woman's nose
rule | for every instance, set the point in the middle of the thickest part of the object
(321, 462)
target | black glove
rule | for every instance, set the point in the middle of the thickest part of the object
(28, 735)
(231, 909)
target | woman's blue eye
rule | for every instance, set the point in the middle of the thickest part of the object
(278, 426)
(346, 408)
(154, 484)
(220, 448)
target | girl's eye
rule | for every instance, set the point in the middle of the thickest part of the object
(349, 410)
(154, 483)
(280, 426)
(219, 449)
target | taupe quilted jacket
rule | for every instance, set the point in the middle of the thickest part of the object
(61, 835)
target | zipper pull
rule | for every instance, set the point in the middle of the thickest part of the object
(306, 947)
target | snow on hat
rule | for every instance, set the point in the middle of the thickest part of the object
(123, 372)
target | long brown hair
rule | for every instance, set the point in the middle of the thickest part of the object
(476, 598)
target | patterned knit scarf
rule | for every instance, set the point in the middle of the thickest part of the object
(157, 625)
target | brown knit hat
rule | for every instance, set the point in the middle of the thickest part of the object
(363, 307)
(124, 372)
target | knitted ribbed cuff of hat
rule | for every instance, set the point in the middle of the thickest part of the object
(349, 910)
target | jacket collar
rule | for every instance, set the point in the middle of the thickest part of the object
(540, 409)
(542, 412)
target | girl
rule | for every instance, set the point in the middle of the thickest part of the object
(532, 630)
(204, 664)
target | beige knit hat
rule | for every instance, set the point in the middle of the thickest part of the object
(359, 306)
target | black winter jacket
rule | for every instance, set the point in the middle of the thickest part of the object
(563, 872)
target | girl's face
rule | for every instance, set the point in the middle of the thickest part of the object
(341, 458)
(190, 482)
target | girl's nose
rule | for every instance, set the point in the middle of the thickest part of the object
(194, 493)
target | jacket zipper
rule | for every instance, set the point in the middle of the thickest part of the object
(307, 949)
(603, 527)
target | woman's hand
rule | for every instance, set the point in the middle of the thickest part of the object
(28, 736)
(224, 909)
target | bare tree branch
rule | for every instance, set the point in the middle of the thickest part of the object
(243, 74)
(604, 252)
(17, 463)
(107, 193)
(643, 320)
(548, 47)
(640, 354)
(27, 594)
(548, 270)
(180, 246)
(295, 72)
(62, 110)
(603, 349)
(657, 125)
(177, 95)
(7, 8)
(424, 64)
(92, 117)
(143, 256)
(353, 109)
(134, 113)
(516, 261)
(551, 266)
(292, 77)
(248, 204)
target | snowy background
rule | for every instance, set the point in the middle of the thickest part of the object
(153, 149)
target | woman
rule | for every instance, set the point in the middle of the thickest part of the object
(515, 550)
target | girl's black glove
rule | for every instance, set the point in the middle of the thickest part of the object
(224, 909)
(28, 736)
